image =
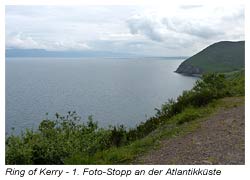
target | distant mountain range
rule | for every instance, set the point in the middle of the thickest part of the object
(64, 54)
(224, 56)
(77, 54)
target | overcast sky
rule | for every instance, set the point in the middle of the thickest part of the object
(156, 31)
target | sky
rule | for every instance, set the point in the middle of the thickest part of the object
(181, 30)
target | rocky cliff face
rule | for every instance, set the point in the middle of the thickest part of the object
(186, 68)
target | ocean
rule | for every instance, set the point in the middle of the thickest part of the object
(113, 90)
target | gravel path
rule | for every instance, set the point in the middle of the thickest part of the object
(219, 140)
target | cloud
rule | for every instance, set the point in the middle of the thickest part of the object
(164, 28)
(145, 26)
(19, 41)
(190, 7)
(22, 41)
(171, 30)
(194, 27)
(69, 45)
(155, 30)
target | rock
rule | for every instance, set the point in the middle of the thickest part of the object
(188, 69)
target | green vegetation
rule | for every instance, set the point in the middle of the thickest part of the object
(223, 56)
(67, 140)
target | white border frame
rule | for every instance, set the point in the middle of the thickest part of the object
(229, 171)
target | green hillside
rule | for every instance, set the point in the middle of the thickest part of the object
(224, 56)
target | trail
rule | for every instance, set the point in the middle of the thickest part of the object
(220, 139)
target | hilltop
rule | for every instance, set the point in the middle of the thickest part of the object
(224, 56)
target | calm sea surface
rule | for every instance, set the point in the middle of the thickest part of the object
(114, 91)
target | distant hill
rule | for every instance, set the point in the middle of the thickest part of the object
(65, 54)
(224, 56)
(77, 54)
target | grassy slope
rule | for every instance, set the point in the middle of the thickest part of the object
(223, 56)
(182, 123)
(127, 154)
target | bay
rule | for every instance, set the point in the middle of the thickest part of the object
(114, 90)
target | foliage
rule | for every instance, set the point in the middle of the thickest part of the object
(55, 140)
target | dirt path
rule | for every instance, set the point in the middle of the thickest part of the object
(219, 140)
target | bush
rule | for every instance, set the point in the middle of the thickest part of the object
(56, 140)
